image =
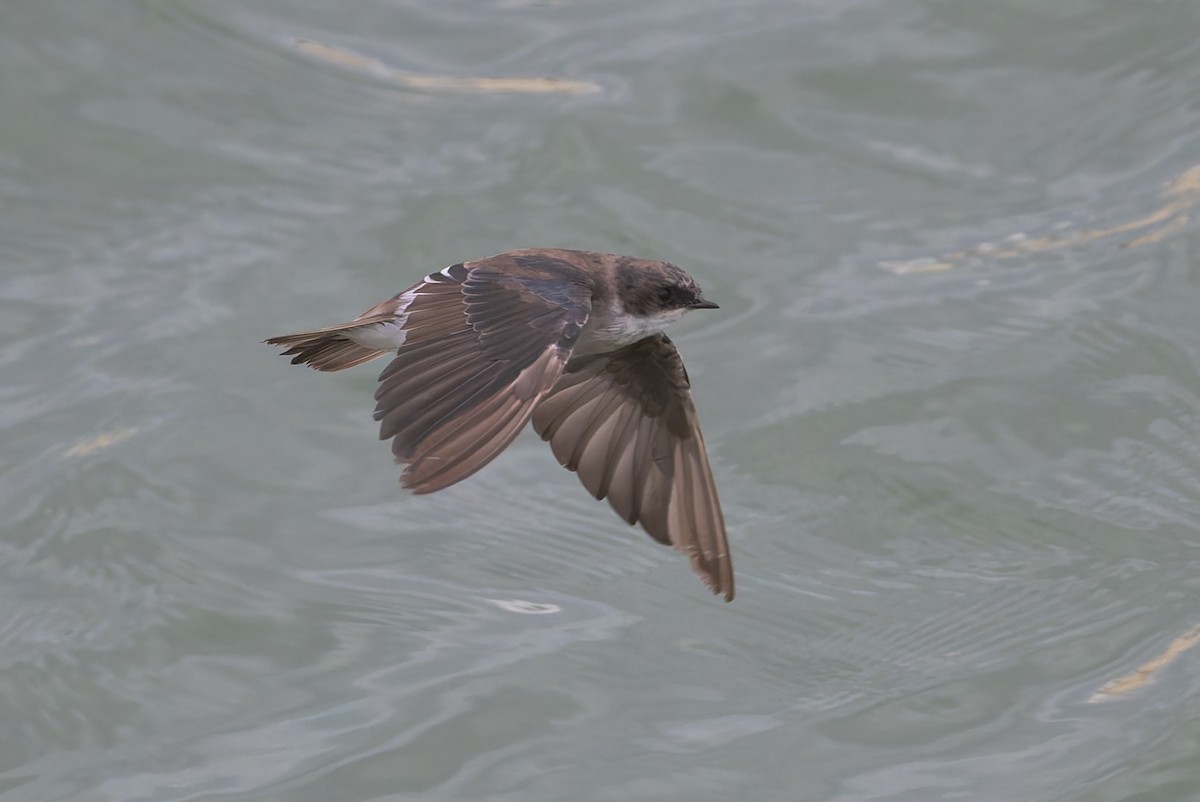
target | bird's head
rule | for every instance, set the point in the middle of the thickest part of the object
(660, 291)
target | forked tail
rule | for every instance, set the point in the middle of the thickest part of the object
(325, 349)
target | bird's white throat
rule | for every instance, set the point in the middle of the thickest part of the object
(619, 328)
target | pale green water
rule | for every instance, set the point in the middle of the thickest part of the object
(960, 500)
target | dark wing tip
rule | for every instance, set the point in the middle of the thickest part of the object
(713, 579)
(714, 570)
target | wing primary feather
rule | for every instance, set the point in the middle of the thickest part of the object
(419, 413)
(433, 471)
(465, 444)
(625, 422)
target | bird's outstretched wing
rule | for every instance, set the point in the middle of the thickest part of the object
(476, 347)
(625, 422)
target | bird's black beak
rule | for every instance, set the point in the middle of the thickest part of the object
(702, 303)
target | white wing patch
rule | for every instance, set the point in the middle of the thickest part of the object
(390, 335)
(379, 336)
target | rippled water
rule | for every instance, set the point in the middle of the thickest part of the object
(952, 399)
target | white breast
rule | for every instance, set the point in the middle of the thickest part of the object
(617, 328)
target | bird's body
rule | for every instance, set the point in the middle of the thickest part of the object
(570, 339)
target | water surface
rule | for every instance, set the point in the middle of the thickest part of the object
(952, 399)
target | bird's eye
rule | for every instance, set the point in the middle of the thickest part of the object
(665, 295)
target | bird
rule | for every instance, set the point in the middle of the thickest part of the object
(570, 340)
